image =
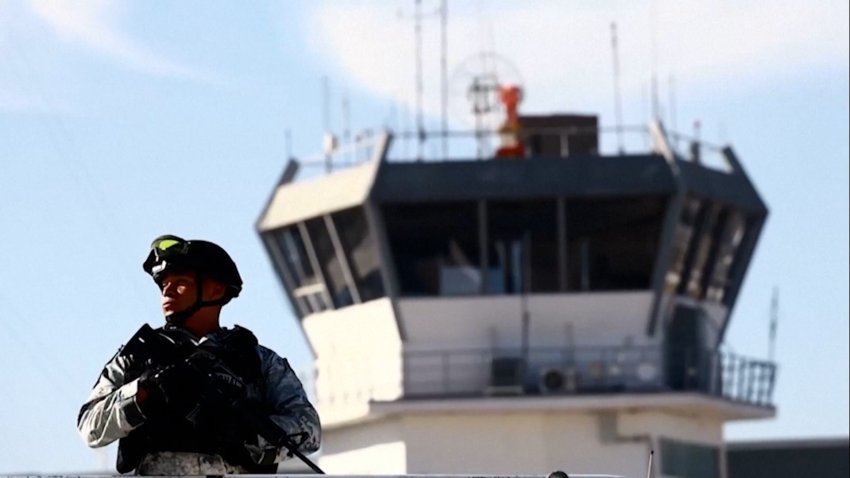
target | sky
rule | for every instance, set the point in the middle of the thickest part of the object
(124, 120)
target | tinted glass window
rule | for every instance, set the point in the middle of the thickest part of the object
(328, 262)
(361, 252)
(612, 243)
(681, 242)
(688, 460)
(292, 258)
(435, 247)
(522, 244)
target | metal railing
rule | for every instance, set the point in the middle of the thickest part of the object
(588, 370)
(482, 145)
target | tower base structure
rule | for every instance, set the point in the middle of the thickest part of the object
(611, 435)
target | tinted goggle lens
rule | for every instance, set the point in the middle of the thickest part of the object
(169, 246)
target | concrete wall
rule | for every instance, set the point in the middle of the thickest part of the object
(556, 320)
(358, 358)
(511, 443)
(373, 447)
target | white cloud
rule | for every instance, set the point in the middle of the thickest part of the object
(563, 49)
(93, 24)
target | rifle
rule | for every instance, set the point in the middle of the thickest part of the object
(157, 350)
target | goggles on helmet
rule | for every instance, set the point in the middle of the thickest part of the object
(170, 252)
(166, 244)
(165, 251)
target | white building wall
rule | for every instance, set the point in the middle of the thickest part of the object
(373, 447)
(519, 443)
(358, 358)
(556, 320)
(515, 443)
(695, 428)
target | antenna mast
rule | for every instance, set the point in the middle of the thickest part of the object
(774, 320)
(444, 75)
(288, 142)
(346, 124)
(654, 55)
(420, 128)
(618, 111)
(649, 464)
(672, 107)
(329, 140)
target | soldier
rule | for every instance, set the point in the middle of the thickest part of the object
(192, 397)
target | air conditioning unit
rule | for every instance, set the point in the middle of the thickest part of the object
(506, 376)
(557, 380)
(552, 380)
(647, 372)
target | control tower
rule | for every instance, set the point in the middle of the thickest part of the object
(547, 307)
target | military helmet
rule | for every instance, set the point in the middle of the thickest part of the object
(170, 253)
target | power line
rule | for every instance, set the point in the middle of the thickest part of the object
(69, 156)
(48, 366)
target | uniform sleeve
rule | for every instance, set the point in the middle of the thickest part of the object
(111, 411)
(292, 412)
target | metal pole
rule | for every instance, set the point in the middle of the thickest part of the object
(444, 19)
(420, 128)
(618, 110)
(774, 319)
(526, 288)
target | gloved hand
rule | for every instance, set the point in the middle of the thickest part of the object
(175, 388)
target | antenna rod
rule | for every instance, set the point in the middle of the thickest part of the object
(326, 119)
(288, 142)
(525, 289)
(649, 465)
(774, 319)
(618, 110)
(654, 55)
(420, 129)
(672, 86)
(346, 124)
(444, 75)
(673, 111)
(326, 113)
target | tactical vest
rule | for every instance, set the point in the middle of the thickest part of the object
(209, 429)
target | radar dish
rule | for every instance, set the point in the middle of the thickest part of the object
(474, 86)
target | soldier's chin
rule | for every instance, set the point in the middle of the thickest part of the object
(171, 316)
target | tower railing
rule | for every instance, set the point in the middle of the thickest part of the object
(588, 370)
(484, 145)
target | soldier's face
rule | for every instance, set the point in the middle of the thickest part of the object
(179, 291)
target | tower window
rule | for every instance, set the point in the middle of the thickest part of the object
(435, 247)
(612, 243)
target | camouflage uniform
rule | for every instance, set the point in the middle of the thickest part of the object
(111, 413)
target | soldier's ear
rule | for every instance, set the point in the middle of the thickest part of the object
(214, 290)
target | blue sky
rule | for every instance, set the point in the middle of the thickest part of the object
(124, 120)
